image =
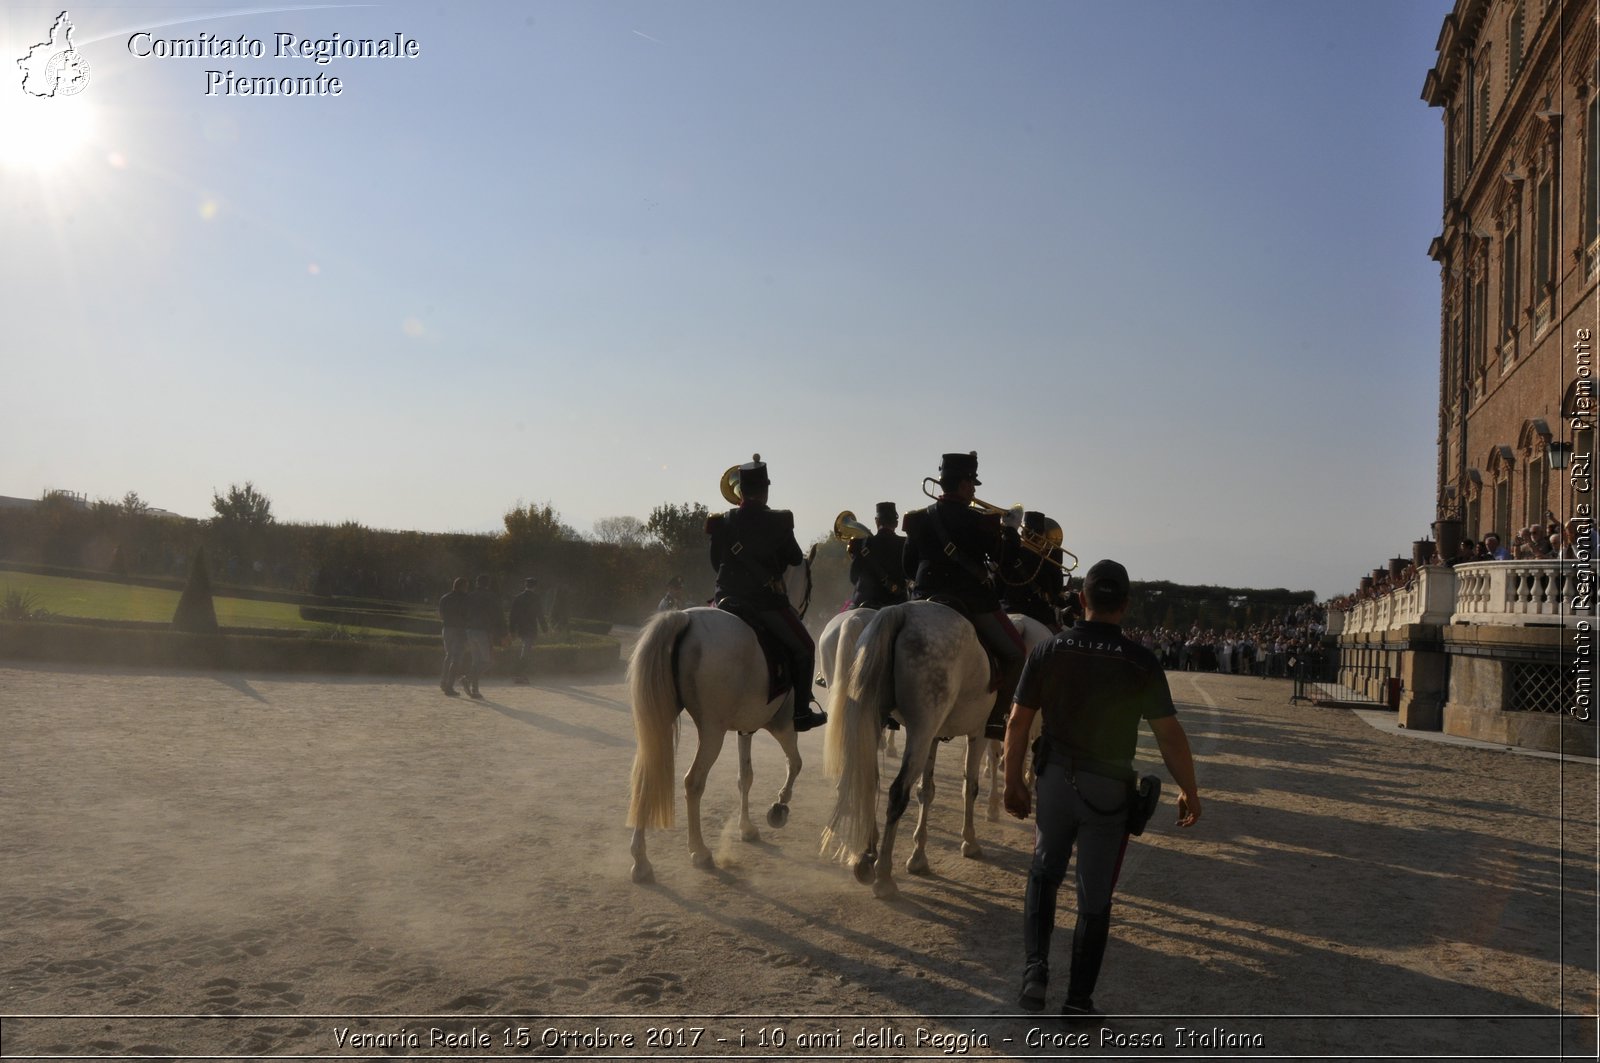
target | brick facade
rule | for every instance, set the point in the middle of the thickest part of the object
(1518, 252)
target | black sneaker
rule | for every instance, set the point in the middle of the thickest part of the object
(1076, 1011)
(1033, 992)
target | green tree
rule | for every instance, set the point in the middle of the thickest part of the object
(536, 525)
(134, 506)
(620, 531)
(679, 528)
(243, 507)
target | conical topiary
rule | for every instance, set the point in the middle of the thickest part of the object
(195, 611)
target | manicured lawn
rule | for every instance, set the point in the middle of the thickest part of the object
(104, 600)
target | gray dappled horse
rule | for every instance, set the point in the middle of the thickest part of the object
(924, 661)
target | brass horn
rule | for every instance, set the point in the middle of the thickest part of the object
(846, 527)
(978, 504)
(1045, 542)
(730, 483)
(730, 486)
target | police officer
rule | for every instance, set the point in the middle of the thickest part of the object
(1093, 686)
(950, 548)
(526, 621)
(455, 612)
(751, 548)
(486, 626)
(877, 563)
(1030, 583)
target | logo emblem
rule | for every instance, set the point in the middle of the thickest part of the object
(54, 67)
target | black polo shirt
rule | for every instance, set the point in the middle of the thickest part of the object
(1093, 687)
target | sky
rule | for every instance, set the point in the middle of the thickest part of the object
(1162, 265)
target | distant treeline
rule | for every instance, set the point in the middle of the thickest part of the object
(616, 581)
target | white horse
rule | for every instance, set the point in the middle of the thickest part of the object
(708, 662)
(1033, 633)
(925, 661)
(836, 648)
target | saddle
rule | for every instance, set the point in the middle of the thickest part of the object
(966, 614)
(777, 658)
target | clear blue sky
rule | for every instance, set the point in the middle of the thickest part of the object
(1162, 265)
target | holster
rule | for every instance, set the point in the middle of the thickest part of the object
(1041, 755)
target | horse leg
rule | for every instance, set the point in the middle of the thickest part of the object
(918, 862)
(778, 814)
(694, 784)
(883, 886)
(747, 774)
(976, 748)
(642, 871)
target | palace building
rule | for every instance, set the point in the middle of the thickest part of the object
(1502, 650)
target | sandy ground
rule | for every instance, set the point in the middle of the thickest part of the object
(258, 866)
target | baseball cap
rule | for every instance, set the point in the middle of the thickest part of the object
(1107, 580)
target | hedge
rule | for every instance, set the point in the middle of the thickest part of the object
(228, 651)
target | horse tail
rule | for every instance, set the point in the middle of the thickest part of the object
(839, 692)
(653, 688)
(850, 831)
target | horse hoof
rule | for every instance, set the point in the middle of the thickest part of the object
(643, 874)
(918, 865)
(777, 816)
(971, 850)
(703, 861)
(750, 834)
(885, 889)
(994, 816)
(864, 868)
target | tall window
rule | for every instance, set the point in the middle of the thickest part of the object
(1502, 508)
(1510, 280)
(1478, 327)
(1481, 103)
(1515, 35)
(1544, 224)
(1537, 466)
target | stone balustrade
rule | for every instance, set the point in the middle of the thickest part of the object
(1482, 592)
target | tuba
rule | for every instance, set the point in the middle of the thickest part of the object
(730, 483)
(846, 527)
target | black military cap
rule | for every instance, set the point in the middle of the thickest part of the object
(753, 476)
(953, 467)
(887, 512)
(1035, 520)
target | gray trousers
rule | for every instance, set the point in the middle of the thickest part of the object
(1064, 820)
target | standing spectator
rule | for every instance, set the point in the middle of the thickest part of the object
(486, 625)
(1496, 552)
(526, 623)
(455, 613)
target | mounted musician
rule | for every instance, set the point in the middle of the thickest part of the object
(952, 548)
(751, 548)
(1033, 574)
(877, 561)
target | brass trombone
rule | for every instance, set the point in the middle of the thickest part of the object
(1041, 543)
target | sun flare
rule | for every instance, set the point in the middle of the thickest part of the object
(44, 134)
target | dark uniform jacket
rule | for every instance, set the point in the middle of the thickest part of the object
(878, 570)
(950, 563)
(751, 548)
(1093, 686)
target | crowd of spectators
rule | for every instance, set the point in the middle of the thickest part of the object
(1284, 647)
(1551, 541)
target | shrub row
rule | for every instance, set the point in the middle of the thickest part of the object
(163, 647)
(409, 623)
